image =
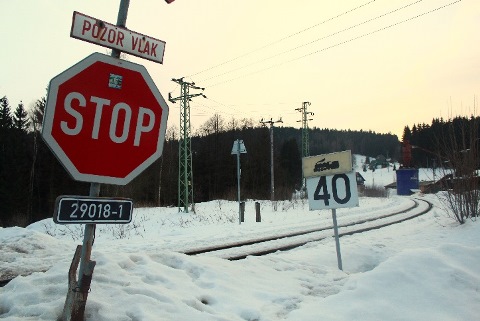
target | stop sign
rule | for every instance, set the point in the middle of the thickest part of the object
(105, 120)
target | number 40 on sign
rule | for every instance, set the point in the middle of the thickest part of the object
(333, 191)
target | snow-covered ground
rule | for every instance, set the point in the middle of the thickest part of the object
(423, 269)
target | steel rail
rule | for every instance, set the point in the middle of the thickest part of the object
(287, 235)
(306, 232)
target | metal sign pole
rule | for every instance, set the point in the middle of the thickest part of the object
(95, 187)
(76, 300)
(75, 306)
(121, 21)
(87, 238)
(237, 149)
(238, 183)
(337, 240)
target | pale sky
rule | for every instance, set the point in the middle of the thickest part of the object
(263, 58)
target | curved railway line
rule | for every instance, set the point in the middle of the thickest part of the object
(287, 241)
(271, 244)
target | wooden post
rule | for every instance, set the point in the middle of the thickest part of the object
(78, 310)
(242, 211)
(74, 308)
(258, 218)
(72, 285)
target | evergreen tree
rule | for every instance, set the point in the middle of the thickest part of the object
(407, 134)
(6, 122)
(291, 164)
(20, 118)
(5, 116)
(20, 166)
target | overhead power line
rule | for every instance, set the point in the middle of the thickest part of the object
(314, 41)
(338, 44)
(284, 38)
(233, 110)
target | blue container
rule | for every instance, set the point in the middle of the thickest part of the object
(407, 179)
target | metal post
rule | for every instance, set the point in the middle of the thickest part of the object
(88, 237)
(121, 21)
(271, 164)
(185, 172)
(95, 187)
(186, 191)
(238, 183)
(337, 240)
(305, 141)
(76, 300)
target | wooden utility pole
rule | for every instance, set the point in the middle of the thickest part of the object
(272, 180)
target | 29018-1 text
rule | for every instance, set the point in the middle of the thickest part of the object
(77, 209)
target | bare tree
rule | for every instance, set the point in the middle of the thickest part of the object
(36, 120)
(458, 147)
(170, 136)
(213, 125)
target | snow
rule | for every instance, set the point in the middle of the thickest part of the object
(422, 269)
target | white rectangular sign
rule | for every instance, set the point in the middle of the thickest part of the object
(111, 36)
(334, 191)
(92, 210)
(327, 164)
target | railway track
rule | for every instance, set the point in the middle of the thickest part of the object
(270, 244)
(287, 241)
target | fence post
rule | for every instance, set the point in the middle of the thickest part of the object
(258, 218)
(242, 211)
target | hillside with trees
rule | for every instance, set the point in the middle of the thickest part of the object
(429, 141)
(31, 177)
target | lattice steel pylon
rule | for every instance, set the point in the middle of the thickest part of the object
(185, 169)
(305, 141)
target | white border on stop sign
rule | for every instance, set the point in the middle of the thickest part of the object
(50, 112)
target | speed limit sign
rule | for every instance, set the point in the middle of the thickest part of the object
(336, 188)
(333, 191)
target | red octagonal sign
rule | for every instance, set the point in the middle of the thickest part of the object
(105, 120)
